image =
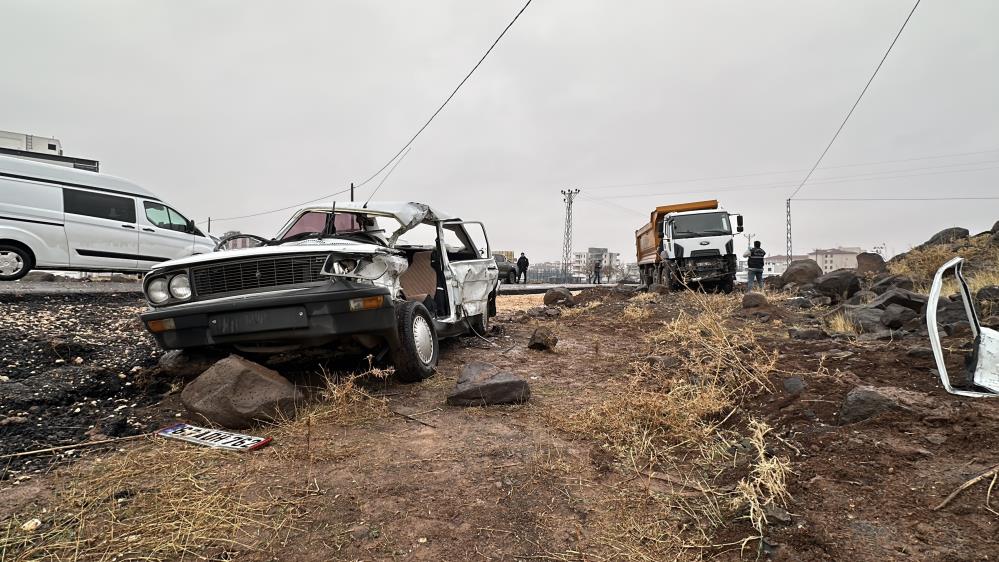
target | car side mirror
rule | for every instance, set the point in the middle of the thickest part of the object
(191, 229)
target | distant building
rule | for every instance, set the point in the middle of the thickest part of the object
(832, 259)
(508, 254)
(42, 149)
(237, 243)
(776, 265)
(610, 262)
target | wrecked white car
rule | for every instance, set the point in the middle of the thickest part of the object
(378, 278)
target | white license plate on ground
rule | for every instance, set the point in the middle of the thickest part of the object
(213, 437)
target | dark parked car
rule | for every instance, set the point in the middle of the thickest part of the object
(507, 269)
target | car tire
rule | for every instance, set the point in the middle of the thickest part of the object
(15, 262)
(415, 357)
(511, 277)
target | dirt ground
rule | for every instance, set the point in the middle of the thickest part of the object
(659, 428)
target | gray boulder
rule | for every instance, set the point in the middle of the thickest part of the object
(895, 316)
(863, 402)
(807, 333)
(543, 339)
(799, 302)
(948, 312)
(867, 320)
(902, 297)
(187, 363)
(920, 352)
(754, 300)
(869, 263)
(862, 297)
(559, 296)
(988, 295)
(820, 301)
(482, 384)
(800, 272)
(235, 393)
(947, 236)
(892, 282)
(838, 285)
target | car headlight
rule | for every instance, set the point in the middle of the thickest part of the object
(345, 266)
(157, 291)
(180, 287)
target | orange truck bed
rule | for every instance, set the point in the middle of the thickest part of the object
(648, 239)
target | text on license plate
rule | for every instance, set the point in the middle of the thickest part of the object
(213, 437)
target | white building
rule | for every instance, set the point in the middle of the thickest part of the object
(610, 262)
(776, 265)
(42, 149)
(832, 259)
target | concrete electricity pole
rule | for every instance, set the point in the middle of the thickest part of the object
(568, 195)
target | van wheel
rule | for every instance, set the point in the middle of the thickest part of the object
(15, 263)
(419, 349)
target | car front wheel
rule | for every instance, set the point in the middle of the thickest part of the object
(418, 350)
(15, 263)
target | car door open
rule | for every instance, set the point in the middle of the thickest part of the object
(472, 266)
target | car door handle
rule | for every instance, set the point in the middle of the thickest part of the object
(144, 229)
(128, 226)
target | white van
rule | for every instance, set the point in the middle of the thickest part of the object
(54, 217)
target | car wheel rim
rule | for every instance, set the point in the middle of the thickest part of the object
(10, 263)
(424, 339)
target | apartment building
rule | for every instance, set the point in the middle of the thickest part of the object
(832, 259)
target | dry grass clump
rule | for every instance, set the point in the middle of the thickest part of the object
(510, 303)
(838, 322)
(645, 298)
(677, 429)
(168, 500)
(579, 309)
(921, 264)
(160, 501)
(636, 312)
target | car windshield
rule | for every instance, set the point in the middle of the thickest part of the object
(324, 224)
(704, 224)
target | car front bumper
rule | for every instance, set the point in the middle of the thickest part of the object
(304, 316)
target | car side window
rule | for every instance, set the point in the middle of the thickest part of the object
(458, 244)
(98, 205)
(165, 217)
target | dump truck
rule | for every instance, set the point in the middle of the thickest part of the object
(689, 245)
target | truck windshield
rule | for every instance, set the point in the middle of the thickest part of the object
(705, 224)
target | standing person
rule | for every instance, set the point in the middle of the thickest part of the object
(522, 264)
(755, 265)
(596, 271)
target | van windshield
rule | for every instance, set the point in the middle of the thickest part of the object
(703, 224)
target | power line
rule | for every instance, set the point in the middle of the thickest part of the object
(953, 198)
(860, 165)
(460, 84)
(841, 125)
(394, 166)
(856, 103)
(411, 140)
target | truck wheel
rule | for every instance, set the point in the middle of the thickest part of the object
(727, 286)
(416, 355)
(15, 263)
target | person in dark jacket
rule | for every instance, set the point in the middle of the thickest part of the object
(755, 265)
(597, 266)
(522, 264)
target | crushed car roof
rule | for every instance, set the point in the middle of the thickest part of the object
(404, 212)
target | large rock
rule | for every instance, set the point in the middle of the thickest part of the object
(863, 402)
(866, 320)
(235, 393)
(39, 276)
(754, 300)
(948, 312)
(543, 339)
(800, 272)
(908, 299)
(187, 363)
(988, 295)
(559, 296)
(481, 384)
(862, 297)
(892, 282)
(869, 263)
(947, 236)
(895, 316)
(838, 285)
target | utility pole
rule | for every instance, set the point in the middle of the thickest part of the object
(568, 195)
(789, 231)
(352, 192)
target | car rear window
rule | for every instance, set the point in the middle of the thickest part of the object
(98, 205)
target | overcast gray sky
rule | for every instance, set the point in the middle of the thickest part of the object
(226, 108)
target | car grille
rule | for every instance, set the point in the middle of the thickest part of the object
(232, 277)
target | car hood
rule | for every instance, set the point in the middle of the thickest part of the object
(292, 248)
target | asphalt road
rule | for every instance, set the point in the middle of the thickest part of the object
(96, 287)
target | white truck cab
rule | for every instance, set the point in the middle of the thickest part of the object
(55, 217)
